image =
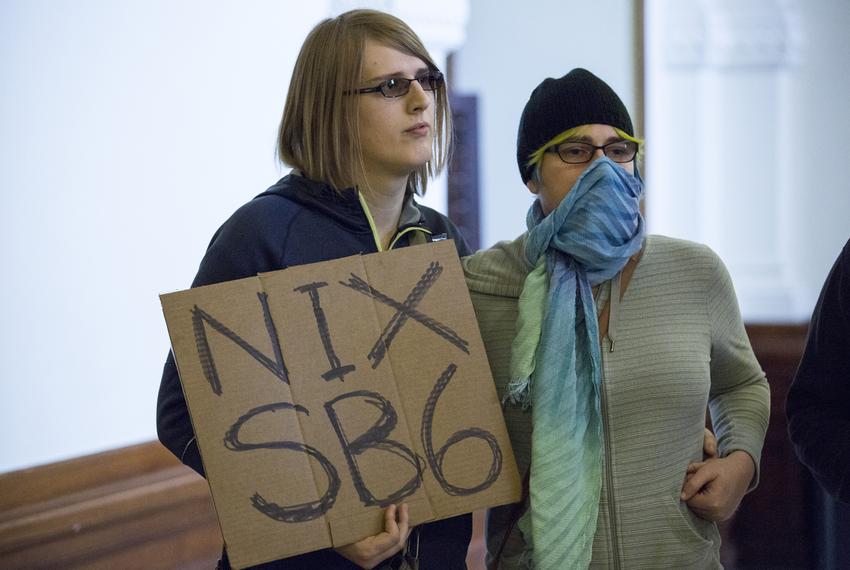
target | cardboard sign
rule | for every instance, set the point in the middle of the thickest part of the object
(322, 393)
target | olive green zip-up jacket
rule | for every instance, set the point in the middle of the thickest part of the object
(679, 345)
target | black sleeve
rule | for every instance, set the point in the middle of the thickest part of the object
(173, 426)
(818, 404)
(250, 242)
(440, 224)
(463, 248)
(460, 242)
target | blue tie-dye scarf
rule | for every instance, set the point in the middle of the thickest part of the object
(555, 358)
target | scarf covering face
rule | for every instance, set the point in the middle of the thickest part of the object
(556, 361)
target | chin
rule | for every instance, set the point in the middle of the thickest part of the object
(418, 161)
(426, 157)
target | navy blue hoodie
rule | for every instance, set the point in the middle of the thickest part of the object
(299, 221)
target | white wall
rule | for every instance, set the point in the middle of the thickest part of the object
(747, 116)
(510, 48)
(130, 131)
(818, 142)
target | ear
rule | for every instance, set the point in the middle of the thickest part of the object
(533, 186)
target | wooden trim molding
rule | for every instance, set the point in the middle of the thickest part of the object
(771, 529)
(138, 507)
(131, 507)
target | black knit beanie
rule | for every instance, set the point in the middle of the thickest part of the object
(556, 105)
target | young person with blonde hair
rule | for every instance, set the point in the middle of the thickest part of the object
(607, 344)
(365, 125)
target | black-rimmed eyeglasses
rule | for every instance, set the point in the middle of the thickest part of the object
(399, 86)
(578, 152)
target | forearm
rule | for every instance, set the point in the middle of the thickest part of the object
(740, 419)
(739, 399)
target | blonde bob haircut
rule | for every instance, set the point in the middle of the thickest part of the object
(319, 132)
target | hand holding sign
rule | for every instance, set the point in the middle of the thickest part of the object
(370, 551)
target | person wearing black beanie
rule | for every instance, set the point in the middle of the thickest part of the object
(557, 105)
(606, 415)
(568, 123)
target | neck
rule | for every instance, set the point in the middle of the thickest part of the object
(385, 201)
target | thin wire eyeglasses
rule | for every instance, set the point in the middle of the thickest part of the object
(572, 152)
(399, 86)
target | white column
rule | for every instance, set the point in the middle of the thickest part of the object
(717, 100)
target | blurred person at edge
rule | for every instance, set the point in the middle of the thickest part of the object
(818, 404)
(365, 125)
(606, 346)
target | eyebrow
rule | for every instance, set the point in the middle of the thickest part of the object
(588, 140)
(397, 74)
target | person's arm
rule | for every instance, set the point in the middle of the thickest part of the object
(438, 224)
(818, 404)
(499, 270)
(739, 401)
(245, 245)
(460, 241)
(173, 426)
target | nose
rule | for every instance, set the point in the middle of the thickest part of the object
(418, 99)
(597, 153)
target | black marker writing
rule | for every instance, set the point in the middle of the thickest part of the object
(435, 460)
(337, 371)
(199, 317)
(289, 513)
(375, 438)
(406, 310)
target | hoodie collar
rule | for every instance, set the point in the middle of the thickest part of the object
(341, 206)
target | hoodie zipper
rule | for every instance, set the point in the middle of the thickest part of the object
(609, 478)
(613, 306)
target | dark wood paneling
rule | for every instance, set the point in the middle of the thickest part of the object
(139, 507)
(135, 507)
(771, 529)
(128, 508)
